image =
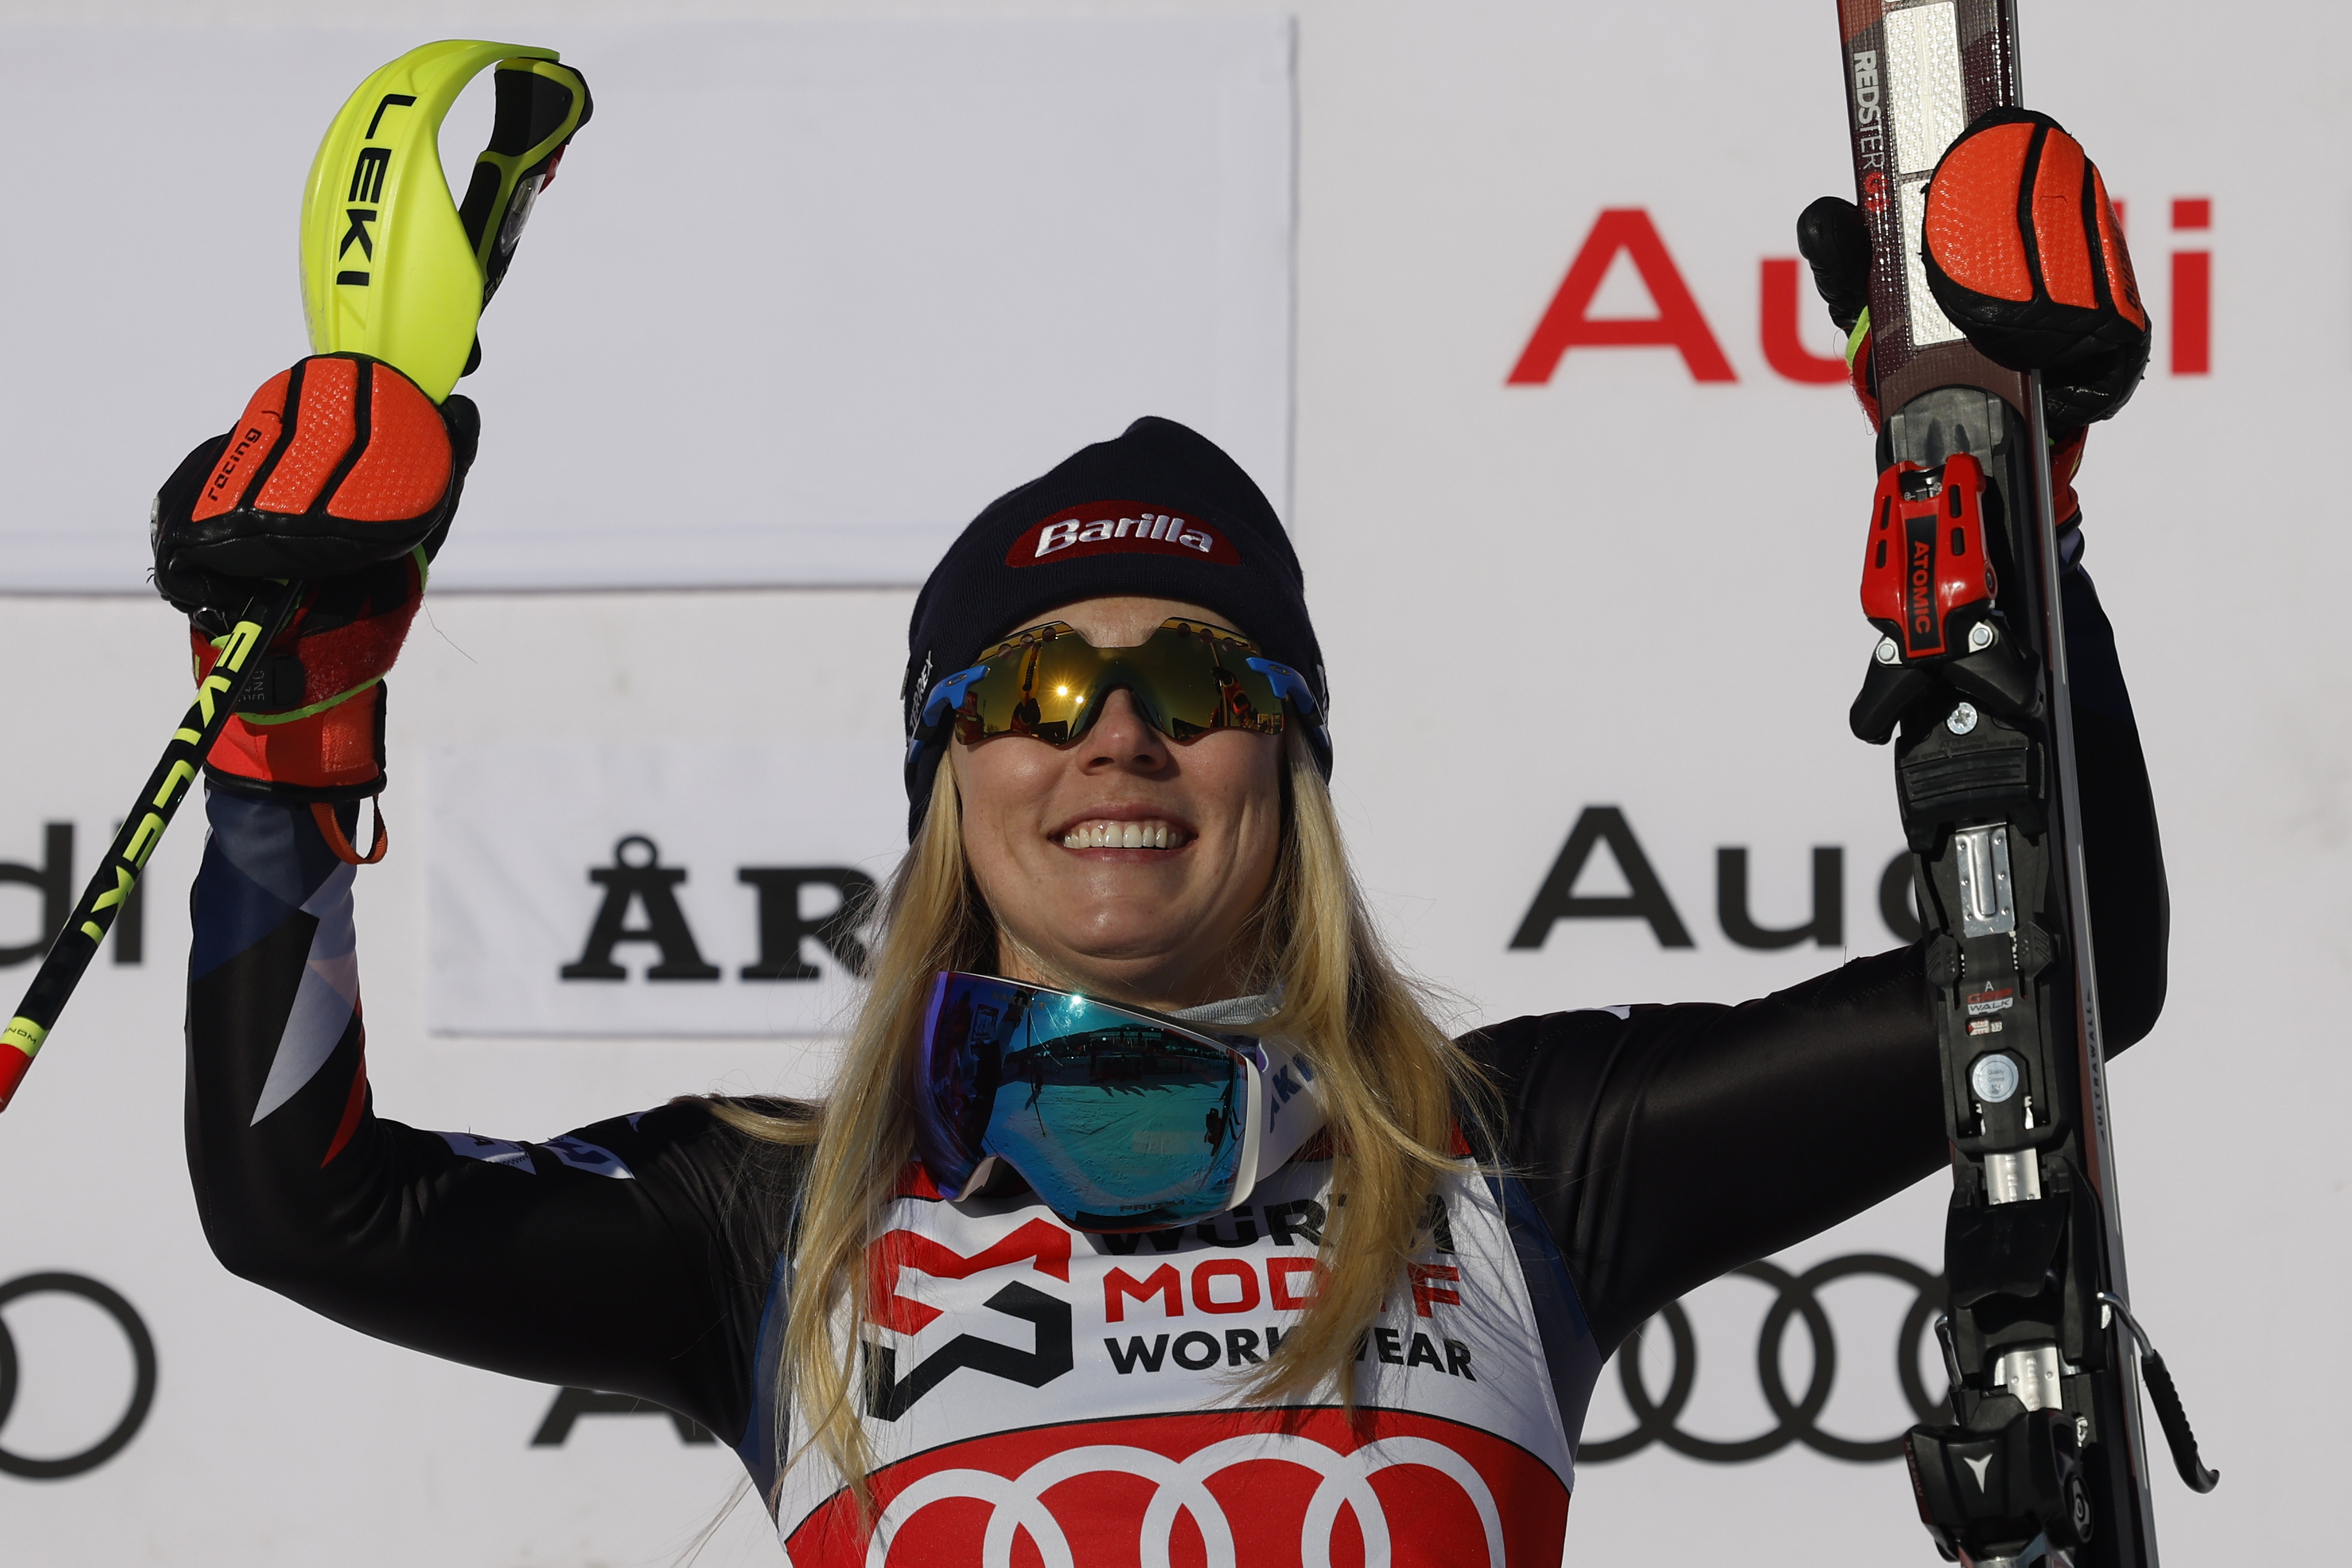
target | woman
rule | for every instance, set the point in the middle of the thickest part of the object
(1242, 1201)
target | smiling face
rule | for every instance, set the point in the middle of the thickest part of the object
(1124, 862)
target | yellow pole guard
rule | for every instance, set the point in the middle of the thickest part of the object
(24, 1034)
(378, 206)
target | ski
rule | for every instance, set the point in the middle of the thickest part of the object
(2044, 1461)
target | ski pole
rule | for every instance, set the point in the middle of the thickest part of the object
(142, 828)
(392, 267)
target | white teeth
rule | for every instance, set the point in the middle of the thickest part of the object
(1120, 836)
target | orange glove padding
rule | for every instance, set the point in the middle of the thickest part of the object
(341, 474)
(2025, 254)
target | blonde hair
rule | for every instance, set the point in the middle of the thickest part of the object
(1393, 1086)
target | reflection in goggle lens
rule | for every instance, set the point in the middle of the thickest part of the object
(1118, 1119)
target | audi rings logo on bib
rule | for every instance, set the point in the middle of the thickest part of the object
(1106, 527)
(1228, 1487)
(14, 1356)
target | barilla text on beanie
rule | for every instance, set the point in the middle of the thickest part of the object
(1100, 528)
(1208, 539)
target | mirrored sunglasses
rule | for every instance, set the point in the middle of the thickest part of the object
(1187, 678)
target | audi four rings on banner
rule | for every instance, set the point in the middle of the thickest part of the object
(1655, 1418)
(142, 1388)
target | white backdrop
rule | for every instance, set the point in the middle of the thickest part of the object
(819, 284)
(1693, 661)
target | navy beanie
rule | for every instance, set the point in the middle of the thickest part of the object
(1161, 512)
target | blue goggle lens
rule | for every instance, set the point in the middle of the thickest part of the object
(1118, 1119)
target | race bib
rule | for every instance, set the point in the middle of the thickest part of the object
(1035, 1394)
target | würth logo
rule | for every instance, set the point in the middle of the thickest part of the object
(1099, 528)
(888, 1394)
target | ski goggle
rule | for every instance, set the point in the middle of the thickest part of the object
(1118, 1119)
(1187, 678)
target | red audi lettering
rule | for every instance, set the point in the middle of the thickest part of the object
(1567, 323)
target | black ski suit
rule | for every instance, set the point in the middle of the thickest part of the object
(1660, 1148)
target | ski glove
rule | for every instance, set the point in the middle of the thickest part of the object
(343, 474)
(2023, 251)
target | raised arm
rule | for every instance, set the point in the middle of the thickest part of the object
(631, 1256)
(1672, 1143)
(1676, 1142)
(599, 1260)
